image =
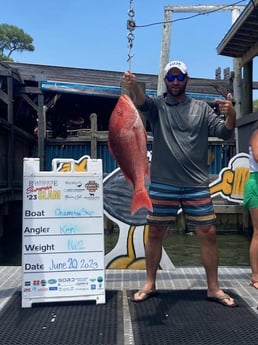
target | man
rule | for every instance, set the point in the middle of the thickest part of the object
(179, 178)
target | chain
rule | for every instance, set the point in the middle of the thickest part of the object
(130, 35)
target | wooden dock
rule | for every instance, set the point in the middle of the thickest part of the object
(235, 279)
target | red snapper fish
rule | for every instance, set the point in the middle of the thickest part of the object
(127, 142)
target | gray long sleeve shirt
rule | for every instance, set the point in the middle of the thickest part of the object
(180, 139)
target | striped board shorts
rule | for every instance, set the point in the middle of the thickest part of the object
(167, 200)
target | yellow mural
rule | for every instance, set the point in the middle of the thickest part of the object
(129, 261)
(231, 180)
(79, 165)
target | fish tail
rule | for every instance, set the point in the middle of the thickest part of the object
(140, 199)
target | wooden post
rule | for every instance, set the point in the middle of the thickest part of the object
(165, 50)
(246, 91)
(94, 127)
(10, 119)
(41, 130)
(41, 121)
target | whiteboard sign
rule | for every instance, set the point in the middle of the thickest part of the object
(63, 234)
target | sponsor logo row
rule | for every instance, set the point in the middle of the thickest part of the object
(63, 284)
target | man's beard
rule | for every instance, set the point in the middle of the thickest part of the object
(177, 92)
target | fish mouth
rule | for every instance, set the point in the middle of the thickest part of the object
(126, 98)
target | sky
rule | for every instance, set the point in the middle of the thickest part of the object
(92, 34)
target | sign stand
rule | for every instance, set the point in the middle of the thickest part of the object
(63, 233)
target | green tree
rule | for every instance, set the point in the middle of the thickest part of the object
(255, 105)
(13, 39)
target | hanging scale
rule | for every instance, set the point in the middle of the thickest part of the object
(130, 35)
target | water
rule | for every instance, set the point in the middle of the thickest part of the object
(183, 249)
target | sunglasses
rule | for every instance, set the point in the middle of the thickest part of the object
(172, 77)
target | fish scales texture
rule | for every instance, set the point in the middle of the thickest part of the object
(127, 142)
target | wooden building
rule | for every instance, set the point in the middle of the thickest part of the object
(64, 105)
(241, 43)
(62, 112)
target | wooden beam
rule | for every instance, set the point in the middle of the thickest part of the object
(30, 102)
(41, 131)
(4, 97)
(30, 89)
(250, 54)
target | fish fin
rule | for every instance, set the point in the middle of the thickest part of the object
(140, 199)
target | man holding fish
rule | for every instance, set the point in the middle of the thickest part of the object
(179, 178)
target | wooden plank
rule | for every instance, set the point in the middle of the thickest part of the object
(10, 282)
(229, 209)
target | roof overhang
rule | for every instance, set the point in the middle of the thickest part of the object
(88, 89)
(241, 41)
(106, 91)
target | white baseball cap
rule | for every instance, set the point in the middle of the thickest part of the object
(175, 64)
